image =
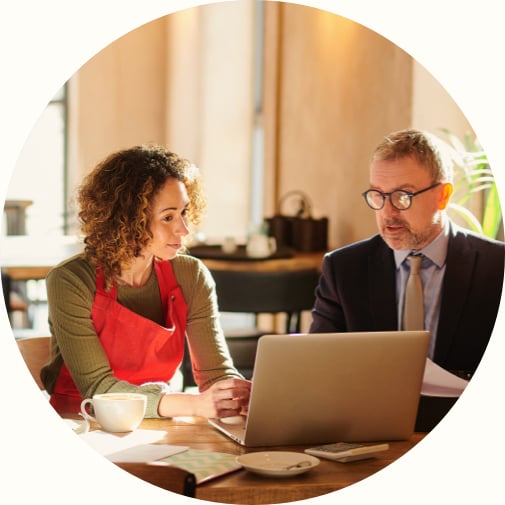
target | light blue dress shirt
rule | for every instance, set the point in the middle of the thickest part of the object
(432, 276)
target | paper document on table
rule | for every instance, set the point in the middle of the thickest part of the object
(440, 382)
(145, 453)
(205, 465)
(134, 447)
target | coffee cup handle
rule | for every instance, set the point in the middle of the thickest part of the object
(272, 245)
(84, 412)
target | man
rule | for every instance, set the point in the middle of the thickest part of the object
(362, 285)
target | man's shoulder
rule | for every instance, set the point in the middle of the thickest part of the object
(360, 248)
(365, 245)
(475, 240)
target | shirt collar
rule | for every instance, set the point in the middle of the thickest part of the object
(436, 250)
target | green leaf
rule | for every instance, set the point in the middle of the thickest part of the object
(473, 174)
(470, 219)
(492, 213)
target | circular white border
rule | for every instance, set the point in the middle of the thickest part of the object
(459, 42)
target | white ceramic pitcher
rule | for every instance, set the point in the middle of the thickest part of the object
(260, 246)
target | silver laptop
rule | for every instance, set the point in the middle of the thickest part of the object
(332, 387)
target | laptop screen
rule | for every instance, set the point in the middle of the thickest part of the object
(323, 388)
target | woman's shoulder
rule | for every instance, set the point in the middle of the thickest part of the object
(188, 269)
(76, 268)
(185, 261)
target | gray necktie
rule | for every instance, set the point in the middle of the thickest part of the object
(413, 311)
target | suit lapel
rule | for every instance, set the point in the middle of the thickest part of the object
(382, 288)
(456, 287)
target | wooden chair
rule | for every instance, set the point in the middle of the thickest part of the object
(166, 477)
(266, 292)
(35, 352)
(285, 291)
(14, 302)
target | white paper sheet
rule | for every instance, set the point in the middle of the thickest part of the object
(440, 382)
(137, 446)
(145, 453)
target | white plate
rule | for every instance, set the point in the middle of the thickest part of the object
(277, 463)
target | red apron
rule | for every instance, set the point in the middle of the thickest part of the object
(139, 350)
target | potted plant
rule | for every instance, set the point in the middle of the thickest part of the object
(474, 186)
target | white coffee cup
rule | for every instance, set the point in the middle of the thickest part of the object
(260, 246)
(116, 412)
(229, 245)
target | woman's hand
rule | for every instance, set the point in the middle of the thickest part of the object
(225, 398)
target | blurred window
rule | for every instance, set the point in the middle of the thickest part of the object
(41, 171)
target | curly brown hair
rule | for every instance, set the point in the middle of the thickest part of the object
(115, 203)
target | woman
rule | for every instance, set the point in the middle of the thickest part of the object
(119, 312)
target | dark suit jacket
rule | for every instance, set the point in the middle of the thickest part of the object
(356, 292)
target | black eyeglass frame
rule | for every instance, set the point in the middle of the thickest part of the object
(407, 194)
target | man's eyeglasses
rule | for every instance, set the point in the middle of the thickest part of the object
(399, 199)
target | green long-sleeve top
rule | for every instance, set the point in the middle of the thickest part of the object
(71, 289)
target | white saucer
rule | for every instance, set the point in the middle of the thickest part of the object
(277, 463)
(233, 420)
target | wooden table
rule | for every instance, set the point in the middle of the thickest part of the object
(299, 261)
(248, 488)
(25, 258)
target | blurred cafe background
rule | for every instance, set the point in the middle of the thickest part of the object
(279, 105)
